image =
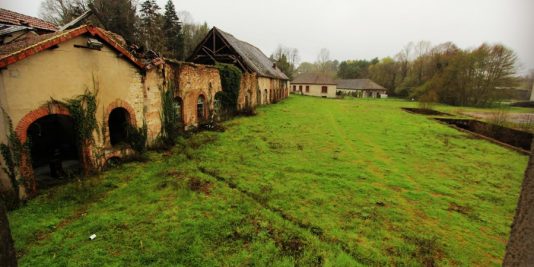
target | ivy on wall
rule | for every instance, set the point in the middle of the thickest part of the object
(82, 109)
(231, 84)
(12, 154)
(170, 120)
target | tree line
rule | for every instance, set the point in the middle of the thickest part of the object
(144, 24)
(445, 73)
(442, 73)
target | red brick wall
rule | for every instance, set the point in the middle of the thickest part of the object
(194, 80)
(249, 85)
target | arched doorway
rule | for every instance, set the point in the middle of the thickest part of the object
(179, 110)
(248, 99)
(265, 97)
(53, 149)
(218, 106)
(118, 122)
(201, 108)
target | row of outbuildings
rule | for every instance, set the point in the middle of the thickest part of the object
(41, 63)
(323, 85)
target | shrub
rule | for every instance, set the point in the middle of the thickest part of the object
(137, 138)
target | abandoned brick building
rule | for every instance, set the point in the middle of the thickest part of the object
(262, 82)
(41, 67)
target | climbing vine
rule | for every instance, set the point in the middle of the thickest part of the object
(170, 120)
(231, 84)
(82, 109)
(12, 154)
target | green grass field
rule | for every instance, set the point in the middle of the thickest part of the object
(307, 181)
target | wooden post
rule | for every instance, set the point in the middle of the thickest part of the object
(8, 257)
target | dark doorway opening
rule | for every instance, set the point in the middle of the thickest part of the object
(179, 110)
(54, 150)
(118, 125)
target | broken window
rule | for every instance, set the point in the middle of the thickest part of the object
(201, 108)
(118, 123)
(324, 89)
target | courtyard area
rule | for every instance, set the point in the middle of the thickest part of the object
(307, 181)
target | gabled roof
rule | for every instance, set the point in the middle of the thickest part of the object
(314, 78)
(14, 18)
(16, 51)
(358, 84)
(252, 57)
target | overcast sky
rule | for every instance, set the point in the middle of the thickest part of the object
(361, 29)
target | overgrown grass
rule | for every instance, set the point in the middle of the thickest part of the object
(308, 181)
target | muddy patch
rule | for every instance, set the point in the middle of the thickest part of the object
(518, 140)
(424, 111)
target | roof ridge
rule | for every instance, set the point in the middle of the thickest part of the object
(45, 41)
(16, 18)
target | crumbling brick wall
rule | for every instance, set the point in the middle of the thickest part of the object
(194, 80)
(153, 85)
(248, 87)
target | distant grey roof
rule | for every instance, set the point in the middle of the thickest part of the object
(313, 78)
(358, 84)
(253, 57)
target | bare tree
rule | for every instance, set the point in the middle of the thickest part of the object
(8, 256)
(60, 12)
(324, 64)
(520, 248)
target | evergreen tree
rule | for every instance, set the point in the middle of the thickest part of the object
(150, 30)
(118, 16)
(172, 29)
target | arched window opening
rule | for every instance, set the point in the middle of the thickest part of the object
(53, 149)
(201, 108)
(118, 125)
(178, 109)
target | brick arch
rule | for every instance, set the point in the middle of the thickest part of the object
(118, 103)
(21, 130)
(32, 116)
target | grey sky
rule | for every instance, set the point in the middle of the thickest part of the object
(361, 29)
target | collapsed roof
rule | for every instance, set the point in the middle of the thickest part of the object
(19, 50)
(220, 46)
(8, 17)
